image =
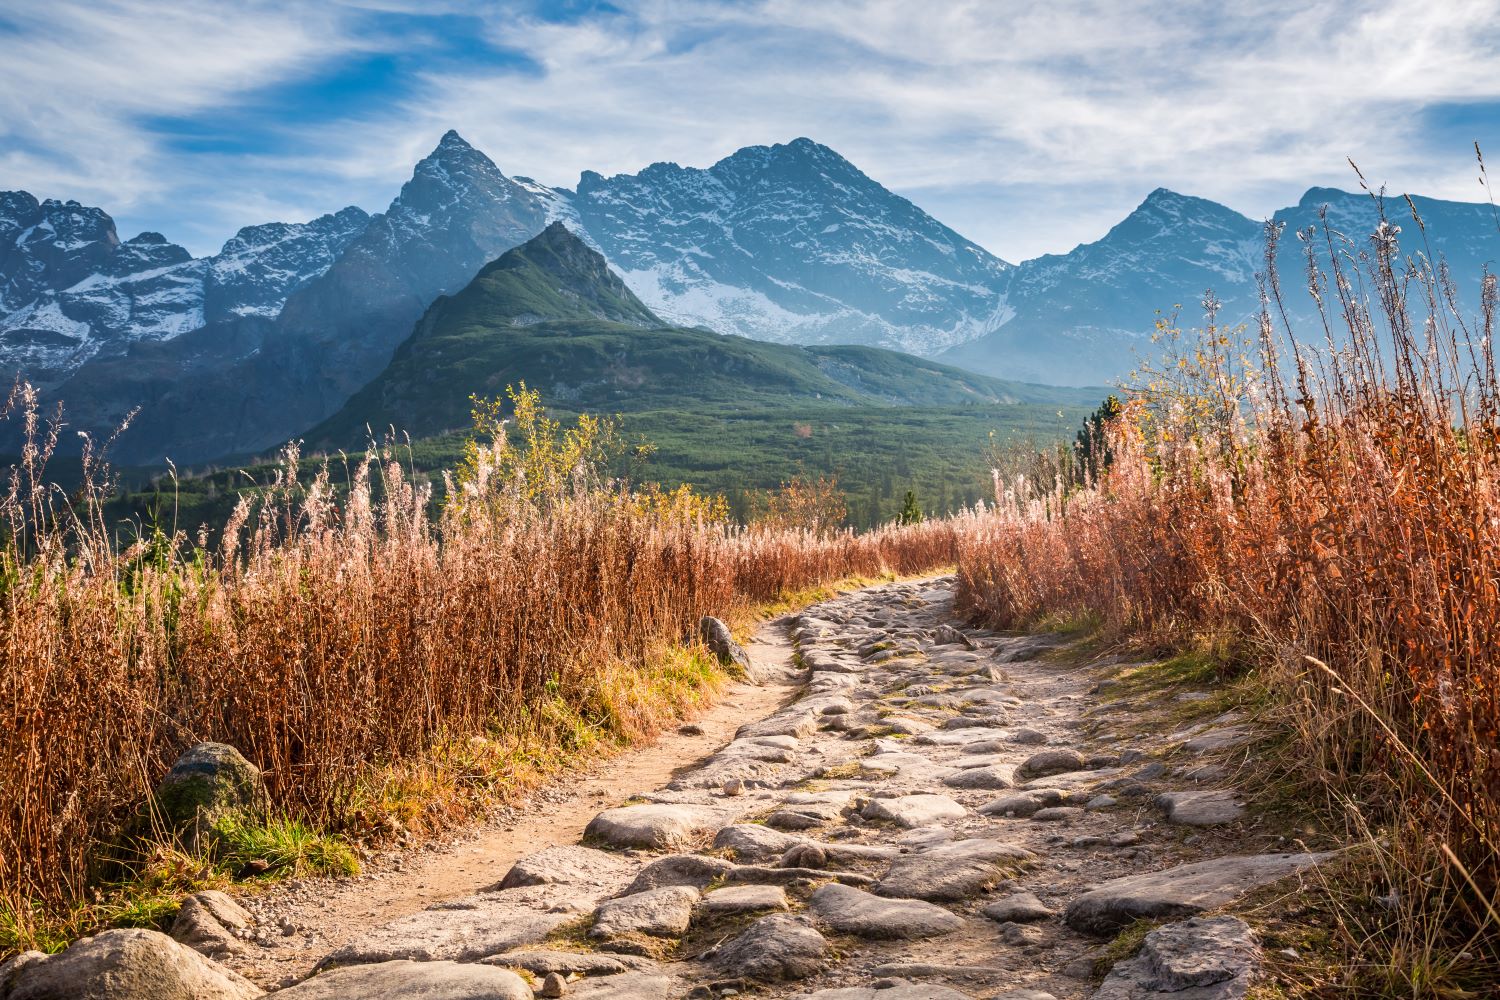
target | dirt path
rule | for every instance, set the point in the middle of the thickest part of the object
(327, 913)
(935, 812)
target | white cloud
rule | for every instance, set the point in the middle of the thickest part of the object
(1028, 125)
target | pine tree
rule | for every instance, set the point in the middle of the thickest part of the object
(911, 513)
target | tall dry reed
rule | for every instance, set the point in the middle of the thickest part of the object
(336, 637)
(1335, 511)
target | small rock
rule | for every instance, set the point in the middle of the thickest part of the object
(912, 811)
(664, 912)
(211, 782)
(953, 871)
(1049, 762)
(853, 911)
(1021, 908)
(1058, 814)
(720, 641)
(652, 825)
(399, 980)
(1028, 737)
(1207, 958)
(778, 948)
(1205, 808)
(737, 899)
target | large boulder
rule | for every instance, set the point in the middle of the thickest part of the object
(209, 783)
(127, 964)
(720, 641)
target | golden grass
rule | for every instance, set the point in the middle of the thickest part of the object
(1331, 517)
(390, 670)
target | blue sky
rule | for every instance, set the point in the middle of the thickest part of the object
(1027, 127)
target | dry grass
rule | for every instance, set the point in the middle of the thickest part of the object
(385, 667)
(1333, 515)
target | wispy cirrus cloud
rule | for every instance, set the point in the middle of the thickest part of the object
(1026, 127)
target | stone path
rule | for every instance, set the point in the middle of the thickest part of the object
(942, 814)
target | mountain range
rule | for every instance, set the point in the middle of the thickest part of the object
(231, 354)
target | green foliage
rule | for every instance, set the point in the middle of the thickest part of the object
(1091, 446)
(911, 512)
(280, 847)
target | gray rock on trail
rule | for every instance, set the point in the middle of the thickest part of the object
(210, 923)
(655, 825)
(664, 912)
(737, 899)
(1201, 808)
(694, 870)
(403, 980)
(720, 641)
(1205, 958)
(912, 811)
(627, 986)
(569, 864)
(1024, 803)
(778, 948)
(127, 964)
(1019, 908)
(854, 911)
(992, 777)
(468, 929)
(209, 783)
(1045, 763)
(953, 871)
(890, 991)
(1179, 891)
(947, 635)
(751, 842)
(544, 962)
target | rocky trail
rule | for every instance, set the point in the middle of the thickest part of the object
(918, 810)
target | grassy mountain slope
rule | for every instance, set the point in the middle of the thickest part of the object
(551, 313)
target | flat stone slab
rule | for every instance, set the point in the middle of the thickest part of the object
(657, 825)
(125, 964)
(854, 911)
(956, 737)
(752, 842)
(468, 929)
(1201, 808)
(542, 961)
(953, 871)
(1222, 738)
(736, 899)
(899, 991)
(992, 777)
(1023, 803)
(912, 811)
(1204, 958)
(774, 949)
(570, 864)
(696, 870)
(1019, 908)
(627, 986)
(1180, 891)
(401, 980)
(664, 912)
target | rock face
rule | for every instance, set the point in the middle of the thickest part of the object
(71, 291)
(854, 911)
(400, 980)
(123, 965)
(1203, 958)
(778, 948)
(209, 783)
(1179, 891)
